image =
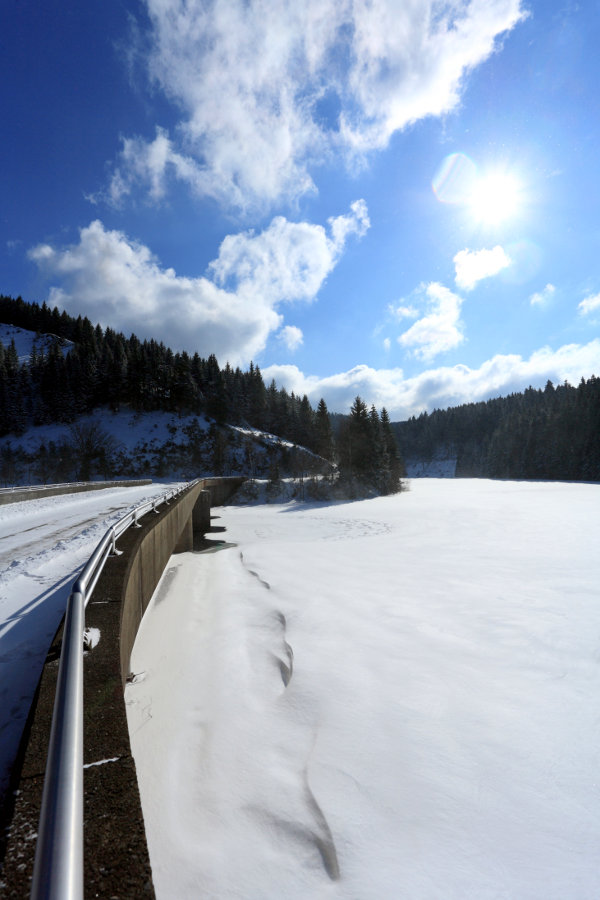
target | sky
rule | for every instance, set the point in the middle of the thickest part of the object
(392, 199)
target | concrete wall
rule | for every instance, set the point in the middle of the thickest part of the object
(173, 532)
(221, 489)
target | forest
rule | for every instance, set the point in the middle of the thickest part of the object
(87, 367)
(550, 433)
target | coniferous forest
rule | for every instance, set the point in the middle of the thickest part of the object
(551, 433)
(88, 367)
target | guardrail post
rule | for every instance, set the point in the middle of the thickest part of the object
(58, 867)
(113, 546)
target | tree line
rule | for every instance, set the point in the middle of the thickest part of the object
(87, 367)
(550, 433)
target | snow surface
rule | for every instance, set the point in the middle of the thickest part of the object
(398, 697)
(43, 546)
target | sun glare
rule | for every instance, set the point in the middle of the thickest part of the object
(489, 197)
(494, 198)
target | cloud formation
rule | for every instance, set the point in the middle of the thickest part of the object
(471, 266)
(438, 331)
(288, 260)
(403, 312)
(231, 313)
(444, 386)
(291, 336)
(589, 305)
(264, 93)
(543, 297)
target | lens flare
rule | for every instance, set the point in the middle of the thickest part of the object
(455, 179)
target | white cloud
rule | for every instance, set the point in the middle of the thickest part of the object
(265, 91)
(438, 331)
(472, 265)
(403, 312)
(231, 313)
(149, 163)
(289, 260)
(589, 305)
(444, 386)
(543, 297)
(291, 336)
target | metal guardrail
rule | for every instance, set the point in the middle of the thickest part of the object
(58, 866)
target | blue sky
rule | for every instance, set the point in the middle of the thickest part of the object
(396, 199)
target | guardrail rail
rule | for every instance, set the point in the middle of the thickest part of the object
(58, 865)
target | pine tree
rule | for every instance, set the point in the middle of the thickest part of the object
(323, 434)
(306, 434)
(354, 442)
(257, 397)
(392, 464)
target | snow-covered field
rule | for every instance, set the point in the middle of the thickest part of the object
(393, 698)
(43, 545)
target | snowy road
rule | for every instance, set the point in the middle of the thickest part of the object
(395, 698)
(38, 525)
(43, 545)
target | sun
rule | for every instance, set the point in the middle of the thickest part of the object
(489, 196)
(494, 198)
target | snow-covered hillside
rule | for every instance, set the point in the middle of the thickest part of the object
(150, 444)
(27, 341)
(393, 698)
(127, 443)
(135, 433)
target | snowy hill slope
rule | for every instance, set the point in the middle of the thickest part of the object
(27, 341)
(129, 443)
(153, 444)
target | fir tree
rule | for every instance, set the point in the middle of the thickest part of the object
(323, 434)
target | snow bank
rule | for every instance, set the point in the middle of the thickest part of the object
(390, 698)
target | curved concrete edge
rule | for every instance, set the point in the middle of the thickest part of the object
(59, 489)
(116, 861)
